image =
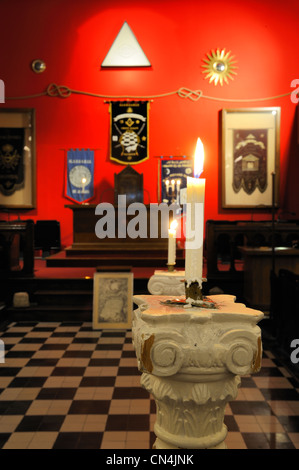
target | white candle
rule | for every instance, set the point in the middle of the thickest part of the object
(167, 186)
(195, 220)
(172, 242)
(83, 184)
(172, 188)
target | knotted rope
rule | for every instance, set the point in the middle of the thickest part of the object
(62, 91)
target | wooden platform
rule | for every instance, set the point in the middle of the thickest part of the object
(80, 257)
(58, 294)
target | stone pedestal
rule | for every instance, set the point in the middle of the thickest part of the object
(192, 359)
(167, 283)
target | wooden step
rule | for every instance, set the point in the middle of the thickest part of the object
(63, 297)
(50, 313)
(80, 258)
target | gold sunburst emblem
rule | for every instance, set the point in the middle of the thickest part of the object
(219, 67)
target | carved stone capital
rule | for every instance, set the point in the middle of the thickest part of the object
(191, 359)
(167, 283)
(190, 415)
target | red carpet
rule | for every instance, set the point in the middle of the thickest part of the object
(42, 271)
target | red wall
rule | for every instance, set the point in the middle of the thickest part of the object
(73, 37)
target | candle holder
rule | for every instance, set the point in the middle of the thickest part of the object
(193, 290)
(170, 267)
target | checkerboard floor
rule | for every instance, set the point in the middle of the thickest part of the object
(66, 386)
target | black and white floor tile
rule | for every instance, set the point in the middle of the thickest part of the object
(66, 386)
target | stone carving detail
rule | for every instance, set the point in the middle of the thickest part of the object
(166, 354)
(190, 415)
(236, 351)
(162, 283)
(191, 361)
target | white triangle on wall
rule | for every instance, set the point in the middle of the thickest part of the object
(125, 51)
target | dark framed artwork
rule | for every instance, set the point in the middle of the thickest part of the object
(173, 173)
(112, 300)
(17, 159)
(250, 158)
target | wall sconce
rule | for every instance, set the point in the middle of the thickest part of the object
(38, 66)
(220, 67)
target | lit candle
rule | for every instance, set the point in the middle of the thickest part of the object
(195, 221)
(172, 243)
(172, 186)
(167, 186)
(83, 183)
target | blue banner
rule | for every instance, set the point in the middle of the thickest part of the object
(80, 175)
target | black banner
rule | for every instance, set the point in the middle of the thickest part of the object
(11, 160)
(129, 131)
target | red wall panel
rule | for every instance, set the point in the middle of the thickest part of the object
(73, 38)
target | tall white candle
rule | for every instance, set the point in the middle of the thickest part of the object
(172, 186)
(167, 186)
(195, 220)
(84, 180)
(172, 242)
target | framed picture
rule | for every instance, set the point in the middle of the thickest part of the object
(112, 300)
(173, 173)
(250, 158)
(17, 158)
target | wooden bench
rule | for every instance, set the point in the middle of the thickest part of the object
(16, 248)
(222, 239)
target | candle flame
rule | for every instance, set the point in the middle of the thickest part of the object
(198, 158)
(173, 225)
